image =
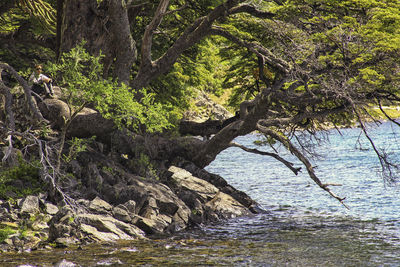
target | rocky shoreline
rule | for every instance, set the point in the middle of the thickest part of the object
(191, 198)
(115, 196)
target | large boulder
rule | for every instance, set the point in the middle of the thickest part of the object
(30, 205)
(205, 199)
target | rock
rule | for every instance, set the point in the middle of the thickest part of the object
(59, 230)
(98, 235)
(31, 242)
(39, 225)
(221, 184)
(8, 241)
(205, 199)
(120, 213)
(65, 263)
(30, 205)
(152, 225)
(62, 224)
(109, 224)
(226, 207)
(100, 206)
(50, 208)
(130, 206)
(55, 111)
(207, 109)
(187, 181)
(93, 180)
(9, 224)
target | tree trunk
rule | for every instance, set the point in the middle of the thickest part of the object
(105, 27)
(122, 42)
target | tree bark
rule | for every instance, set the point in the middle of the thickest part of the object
(122, 43)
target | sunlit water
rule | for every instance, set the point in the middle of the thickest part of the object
(302, 226)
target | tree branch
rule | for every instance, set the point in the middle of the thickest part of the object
(258, 49)
(274, 155)
(302, 158)
(245, 8)
(301, 116)
(148, 34)
(388, 168)
(386, 115)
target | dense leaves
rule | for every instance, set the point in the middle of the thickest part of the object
(80, 74)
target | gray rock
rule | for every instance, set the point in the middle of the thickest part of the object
(154, 224)
(108, 224)
(50, 208)
(130, 206)
(30, 205)
(98, 235)
(100, 206)
(187, 181)
(216, 204)
(226, 207)
(39, 225)
(63, 242)
(121, 214)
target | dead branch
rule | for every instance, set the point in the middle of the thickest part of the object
(389, 169)
(274, 155)
(48, 172)
(386, 115)
(302, 158)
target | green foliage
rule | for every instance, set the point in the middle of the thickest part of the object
(81, 75)
(28, 20)
(5, 232)
(38, 14)
(143, 166)
(28, 175)
(77, 145)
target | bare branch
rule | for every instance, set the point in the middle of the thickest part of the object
(274, 155)
(48, 172)
(132, 6)
(389, 169)
(302, 158)
(386, 115)
(200, 28)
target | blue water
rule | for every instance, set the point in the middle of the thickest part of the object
(341, 161)
(313, 228)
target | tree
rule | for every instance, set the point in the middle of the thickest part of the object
(303, 63)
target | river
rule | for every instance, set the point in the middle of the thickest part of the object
(302, 225)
